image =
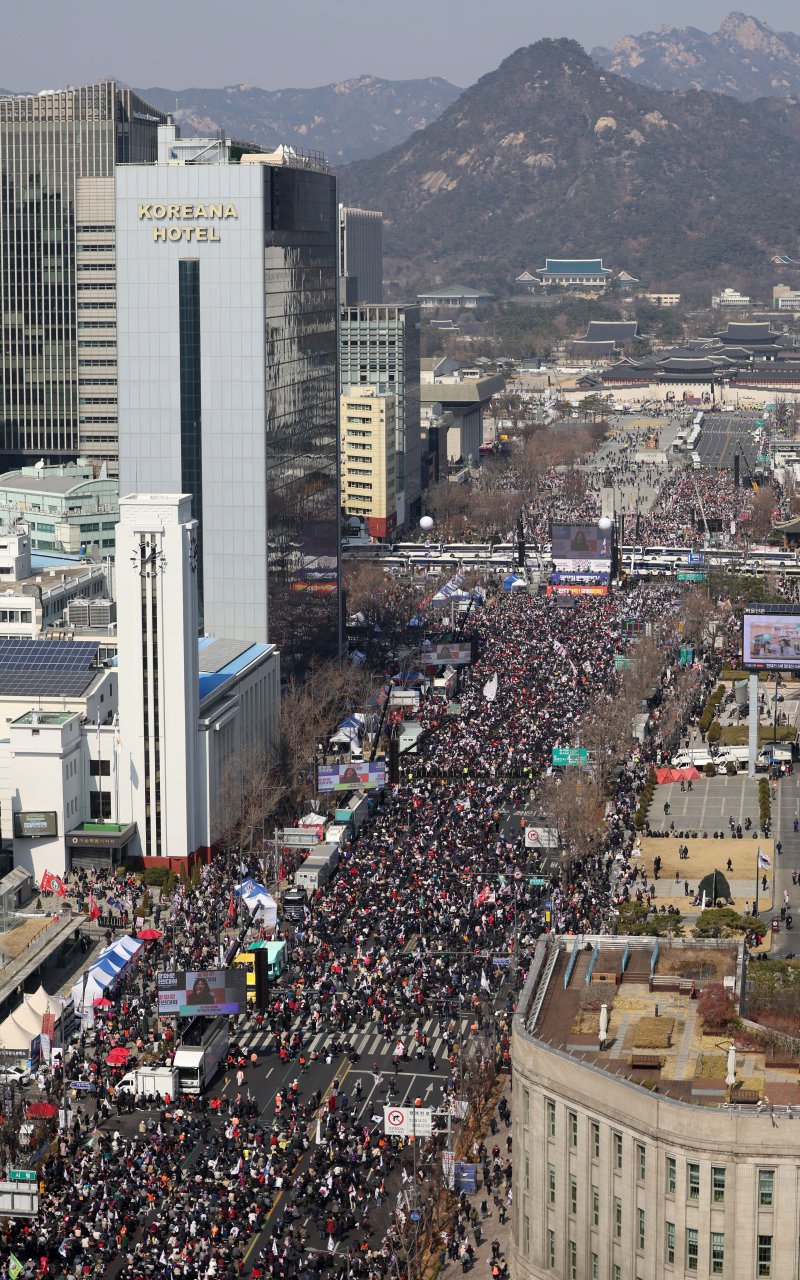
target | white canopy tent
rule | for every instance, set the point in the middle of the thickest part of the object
(16, 1039)
(43, 1003)
(103, 975)
(261, 906)
(90, 987)
(350, 731)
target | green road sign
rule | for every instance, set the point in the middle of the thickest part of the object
(538, 882)
(691, 575)
(623, 664)
(22, 1175)
(570, 755)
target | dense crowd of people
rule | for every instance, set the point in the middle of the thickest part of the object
(425, 898)
(689, 501)
(428, 896)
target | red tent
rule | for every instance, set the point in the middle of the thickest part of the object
(42, 1110)
(118, 1056)
(149, 935)
(677, 775)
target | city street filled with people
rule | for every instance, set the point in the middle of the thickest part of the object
(400, 987)
(403, 970)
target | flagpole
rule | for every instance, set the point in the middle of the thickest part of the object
(115, 753)
(100, 766)
(755, 904)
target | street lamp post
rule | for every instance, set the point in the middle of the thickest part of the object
(517, 883)
(776, 699)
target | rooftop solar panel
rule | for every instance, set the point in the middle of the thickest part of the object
(218, 653)
(19, 654)
(45, 683)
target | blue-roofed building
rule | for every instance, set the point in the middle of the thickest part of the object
(239, 690)
(575, 273)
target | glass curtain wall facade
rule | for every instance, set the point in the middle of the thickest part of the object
(191, 417)
(379, 347)
(48, 143)
(302, 411)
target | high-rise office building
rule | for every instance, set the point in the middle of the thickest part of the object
(226, 278)
(360, 256)
(58, 153)
(379, 347)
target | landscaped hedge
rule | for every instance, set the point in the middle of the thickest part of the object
(764, 803)
(155, 876)
(640, 817)
(710, 709)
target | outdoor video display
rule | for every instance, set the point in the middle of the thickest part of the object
(34, 826)
(212, 991)
(581, 548)
(581, 542)
(771, 639)
(442, 655)
(349, 777)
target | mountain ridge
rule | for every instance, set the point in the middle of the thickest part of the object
(347, 120)
(746, 58)
(551, 155)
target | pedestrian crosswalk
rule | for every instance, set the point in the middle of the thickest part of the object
(368, 1043)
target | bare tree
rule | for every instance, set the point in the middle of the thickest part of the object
(700, 613)
(761, 509)
(445, 500)
(571, 805)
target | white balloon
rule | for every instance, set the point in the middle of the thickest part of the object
(426, 523)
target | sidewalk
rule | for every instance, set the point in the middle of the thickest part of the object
(491, 1227)
(784, 809)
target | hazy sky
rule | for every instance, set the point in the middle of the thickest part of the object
(283, 43)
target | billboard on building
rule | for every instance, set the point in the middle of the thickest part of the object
(33, 826)
(771, 638)
(207, 992)
(349, 777)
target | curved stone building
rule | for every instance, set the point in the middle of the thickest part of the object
(636, 1160)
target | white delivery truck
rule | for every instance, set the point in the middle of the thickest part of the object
(197, 1064)
(151, 1081)
(354, 813)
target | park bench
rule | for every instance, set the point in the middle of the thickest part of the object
(647, 1061)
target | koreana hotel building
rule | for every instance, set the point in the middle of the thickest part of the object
(228, 387)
